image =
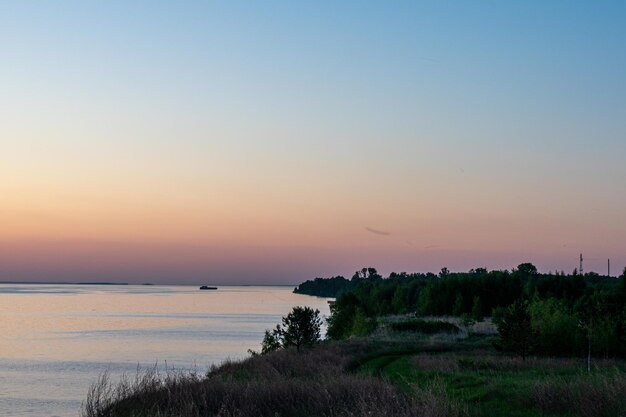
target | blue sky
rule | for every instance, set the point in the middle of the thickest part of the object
(494, 131)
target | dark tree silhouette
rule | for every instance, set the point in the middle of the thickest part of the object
(366, 273)
(527, 269)
(516, 332)
(477, 309)
(325, 287)
(457, 310)
(301, 327)
(589, 312)
(271, 341)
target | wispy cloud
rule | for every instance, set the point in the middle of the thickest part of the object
(377, 232)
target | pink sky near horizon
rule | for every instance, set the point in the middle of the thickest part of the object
(78, 210)
(241, 248)
(268, 144)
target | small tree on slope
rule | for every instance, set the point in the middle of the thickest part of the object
(300, 328)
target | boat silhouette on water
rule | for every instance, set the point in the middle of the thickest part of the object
(206, 287)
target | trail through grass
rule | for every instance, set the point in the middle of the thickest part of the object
(490, 384)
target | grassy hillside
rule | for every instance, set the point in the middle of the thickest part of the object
(390, 373)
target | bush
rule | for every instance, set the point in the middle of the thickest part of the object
(516, 332)
(556, 328)
(361, 325)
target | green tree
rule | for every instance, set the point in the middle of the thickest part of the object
(477, 309)
(301, 327)
(271, 341)
(458, 309)
(362, 325)
(555, 326)
(589, 312)
(516, 332)
(527, 269)
(342, 313)
(605, 336)
(400, 299)
(425, 301)
(366, 273)
(497, 315)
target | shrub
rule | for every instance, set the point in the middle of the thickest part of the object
(556, 328)
(516, 332)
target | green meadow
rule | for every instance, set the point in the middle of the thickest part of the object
(391, 372)
(480, 381)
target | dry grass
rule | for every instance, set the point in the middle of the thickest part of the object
(585, 396)
(485, 361)
(282, 384)
(485, 327)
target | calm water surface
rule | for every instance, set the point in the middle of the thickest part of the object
(56, 339)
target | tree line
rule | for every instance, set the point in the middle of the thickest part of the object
(567, 312)
(335, 286)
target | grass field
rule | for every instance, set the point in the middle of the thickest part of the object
(390, 373)
(484, 383)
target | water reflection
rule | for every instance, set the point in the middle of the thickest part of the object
(57, 338)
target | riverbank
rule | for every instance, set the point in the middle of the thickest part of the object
(390, 373)
(57, 339)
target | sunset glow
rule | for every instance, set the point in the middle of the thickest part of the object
(263, 144)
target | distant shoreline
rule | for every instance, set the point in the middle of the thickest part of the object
(65, 283)
(138, 284)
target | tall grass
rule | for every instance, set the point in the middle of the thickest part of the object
(585, 396)
(282, 384)
(433, 378)
(486, 361)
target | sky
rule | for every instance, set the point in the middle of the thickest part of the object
(273, 142)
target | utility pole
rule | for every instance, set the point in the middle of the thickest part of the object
(581, 265)
(608, 266)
